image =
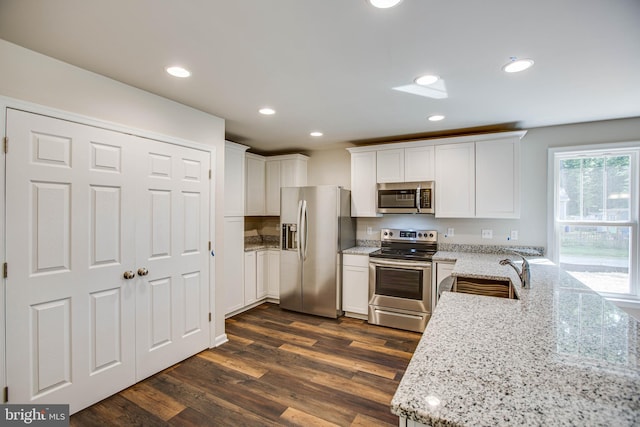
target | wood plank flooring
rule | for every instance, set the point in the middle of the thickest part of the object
(278, 368)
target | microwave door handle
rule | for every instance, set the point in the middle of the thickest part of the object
(418, 198)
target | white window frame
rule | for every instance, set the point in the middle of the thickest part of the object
(555, 155)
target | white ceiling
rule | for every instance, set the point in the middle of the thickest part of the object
(329, 65)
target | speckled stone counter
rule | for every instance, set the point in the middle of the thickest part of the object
(360, 250)
(560, 355)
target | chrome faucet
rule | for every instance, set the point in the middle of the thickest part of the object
(524, 274)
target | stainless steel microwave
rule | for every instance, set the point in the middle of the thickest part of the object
(406, 197)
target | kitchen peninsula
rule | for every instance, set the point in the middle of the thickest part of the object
(560, 354)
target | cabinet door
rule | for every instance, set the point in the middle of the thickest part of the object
(355, 285)
(262, 270)
(293, 173)
(255, 185)
(233, 263)
(250, 278)
(233, 180)
(273, 276)
(390, 165)
(498, 178)
(363, 184)
(273, 187)
(419, 164)
(455, 180)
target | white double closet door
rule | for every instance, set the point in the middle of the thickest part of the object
(84, 206)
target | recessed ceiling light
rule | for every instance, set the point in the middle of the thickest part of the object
(517, 65)
(178, 72)
(315, 133)
(267, 111)
(436, 117)
(384, 4)
(426, 80)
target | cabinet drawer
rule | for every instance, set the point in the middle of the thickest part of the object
(355, 260)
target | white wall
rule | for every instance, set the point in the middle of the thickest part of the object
(532, 225)
(28, 76)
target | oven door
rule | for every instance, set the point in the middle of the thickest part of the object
(400, 284)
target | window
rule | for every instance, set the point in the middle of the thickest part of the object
(595, 235)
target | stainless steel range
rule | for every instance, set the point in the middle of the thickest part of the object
(400, 291)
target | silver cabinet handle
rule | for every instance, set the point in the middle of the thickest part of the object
(129, 275)
(142, 271)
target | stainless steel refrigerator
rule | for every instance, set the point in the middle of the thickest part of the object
(316, 226)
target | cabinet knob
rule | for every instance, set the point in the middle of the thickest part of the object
(129, 275)
(142, 271)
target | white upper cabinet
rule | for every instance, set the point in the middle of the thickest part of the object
(476, 176)
(405, 164)
(255, 195)
(498, 178)
(455, 180)
(363, 184)
(234, 178)
(283, 171)
(390, 165)
(419, 164)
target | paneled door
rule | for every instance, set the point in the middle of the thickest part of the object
(172, 290)
(96, 223)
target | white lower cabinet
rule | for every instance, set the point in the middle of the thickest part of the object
(250, 279)
(273, 274)
(355, 285)
(261, 273)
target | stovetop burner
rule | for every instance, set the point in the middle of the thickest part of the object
(407, 244)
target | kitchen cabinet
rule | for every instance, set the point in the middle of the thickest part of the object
(255, 185)
(234, 165)
(390, 165)
(355, 285)
(419, 163)
(363, 184)
(273, 274)
(250, 279)
(478, 179)
(498, 178)
(405, 164)
(233, 256)
(455, 180)
(283, 171)
(262, 271)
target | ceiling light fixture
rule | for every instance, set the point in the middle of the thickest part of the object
(516, 65)
(426, 80)
(315, 133)
(267, 111)
(178, 71)
(384, 4)
(436, 117)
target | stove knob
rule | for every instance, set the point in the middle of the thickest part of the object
(430, 234)
(390, 233)
(420, 235)
(386, 234)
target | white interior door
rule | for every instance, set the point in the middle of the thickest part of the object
(70, 237)
(85, 205)
(173, 227)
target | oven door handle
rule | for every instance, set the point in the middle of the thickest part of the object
(397, 263)
(418, 190)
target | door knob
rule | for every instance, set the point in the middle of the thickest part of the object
(129, 275)
(142, 271)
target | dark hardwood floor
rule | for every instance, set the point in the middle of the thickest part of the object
(278, 368)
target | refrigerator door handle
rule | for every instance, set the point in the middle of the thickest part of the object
(304, 231)
(300, 233)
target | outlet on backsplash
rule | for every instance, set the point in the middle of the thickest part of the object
(487, 234)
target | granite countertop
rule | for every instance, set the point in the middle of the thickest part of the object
(559, 355)
(360, 250)
(248, 247)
